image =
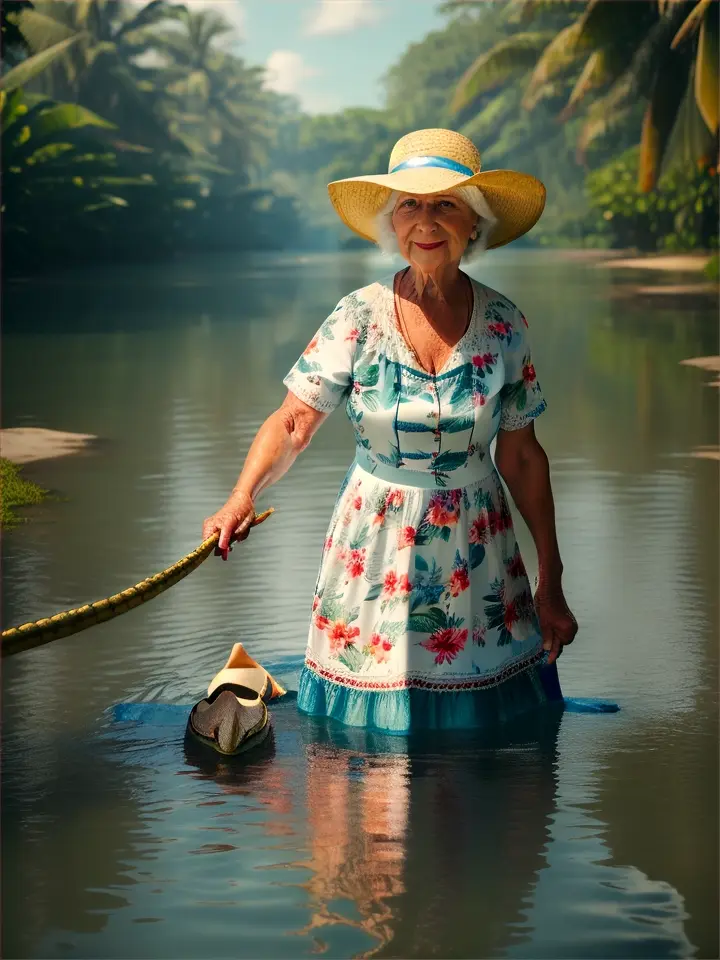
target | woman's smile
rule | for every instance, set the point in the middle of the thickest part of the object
(429, 246)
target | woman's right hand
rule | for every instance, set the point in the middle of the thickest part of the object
(233, 521)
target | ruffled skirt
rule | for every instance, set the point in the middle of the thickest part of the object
(413, 709)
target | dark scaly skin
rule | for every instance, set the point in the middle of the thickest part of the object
(227, 725)
(29, 635)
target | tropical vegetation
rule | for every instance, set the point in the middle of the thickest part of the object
(139, 131)
(16, 491)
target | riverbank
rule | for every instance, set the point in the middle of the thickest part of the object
(28, 444)
(672, 263)
(16, 491)
(711, 364)
(21, 445)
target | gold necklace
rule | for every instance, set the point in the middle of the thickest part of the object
(405, 332)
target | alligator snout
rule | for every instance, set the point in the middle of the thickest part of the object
(229, 724)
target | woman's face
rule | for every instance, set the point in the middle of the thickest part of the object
(432, 229)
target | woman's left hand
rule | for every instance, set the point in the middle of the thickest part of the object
(557, 624)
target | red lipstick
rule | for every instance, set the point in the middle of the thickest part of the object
(429, 246)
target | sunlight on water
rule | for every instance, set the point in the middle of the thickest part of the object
(592, 836)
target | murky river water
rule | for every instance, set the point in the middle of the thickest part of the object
(595, 836)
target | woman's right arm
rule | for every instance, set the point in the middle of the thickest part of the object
(284, 435)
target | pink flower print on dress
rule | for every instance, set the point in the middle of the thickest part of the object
(355, 565)
(483, 361)
(406, 537)
(404, 585)
(459, 580)
(480, 529)
(442, 509)
(353, 335)
(511, 615)
(342, 635)
(446, 644)
(380, 648)
(479, 399)
(478, 635)
(311, 347)
(357, 503)
(528, 373)
(500, 327)
(390, 584)
(395, 499)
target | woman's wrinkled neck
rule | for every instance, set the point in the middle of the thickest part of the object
(441, 284)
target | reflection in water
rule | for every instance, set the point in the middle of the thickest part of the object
(398, 832)
(437, 844)
(175, 367)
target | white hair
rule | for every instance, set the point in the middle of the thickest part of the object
(472, 196)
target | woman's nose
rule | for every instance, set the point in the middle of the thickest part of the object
(426, 218)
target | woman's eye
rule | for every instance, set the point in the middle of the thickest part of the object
(408, 203)
(446, 204)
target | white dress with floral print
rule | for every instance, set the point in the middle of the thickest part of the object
(421, 583)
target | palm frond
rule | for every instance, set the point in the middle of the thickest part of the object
(25, 71)
(42, 31)
(153, 13)
(560, 53)
(661, 115)
(510, 56)
(592, 76)
(692, 23)
(493, 114)
(707, 74)
(690, 140)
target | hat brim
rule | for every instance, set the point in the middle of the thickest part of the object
(516, 199)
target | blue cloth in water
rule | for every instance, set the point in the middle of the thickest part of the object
(404, 711)
(399, 711)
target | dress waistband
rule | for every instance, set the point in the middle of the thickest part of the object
(473, 471)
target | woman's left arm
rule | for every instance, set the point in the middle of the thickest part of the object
(523, 465)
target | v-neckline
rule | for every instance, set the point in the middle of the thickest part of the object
(394, 319)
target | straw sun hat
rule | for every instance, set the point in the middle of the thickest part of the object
(436, 161)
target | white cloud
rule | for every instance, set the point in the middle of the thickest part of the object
(286, 71)
(342, 16)
(231, 10)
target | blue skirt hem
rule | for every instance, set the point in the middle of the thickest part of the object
(411, 709)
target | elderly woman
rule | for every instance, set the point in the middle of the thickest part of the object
(423, 615)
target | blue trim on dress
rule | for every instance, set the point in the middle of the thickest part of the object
(410, 709)
(400, 712)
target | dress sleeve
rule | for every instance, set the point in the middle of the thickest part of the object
(521, 397)
(322, 376)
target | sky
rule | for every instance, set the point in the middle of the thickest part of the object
(331, 54)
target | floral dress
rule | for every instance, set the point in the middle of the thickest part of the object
(423, 614)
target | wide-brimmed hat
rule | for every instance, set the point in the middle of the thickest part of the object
(437, 161)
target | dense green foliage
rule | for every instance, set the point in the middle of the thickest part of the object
(681, 215)
(133, 131)
(16, 491)
(107, 155)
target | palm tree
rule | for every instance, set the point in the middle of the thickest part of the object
(615, 51)
(215, 103)
(84, 52)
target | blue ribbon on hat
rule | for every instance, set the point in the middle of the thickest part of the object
(444, 162)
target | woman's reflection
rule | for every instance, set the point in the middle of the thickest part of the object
(438, 847)
(431, 847)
